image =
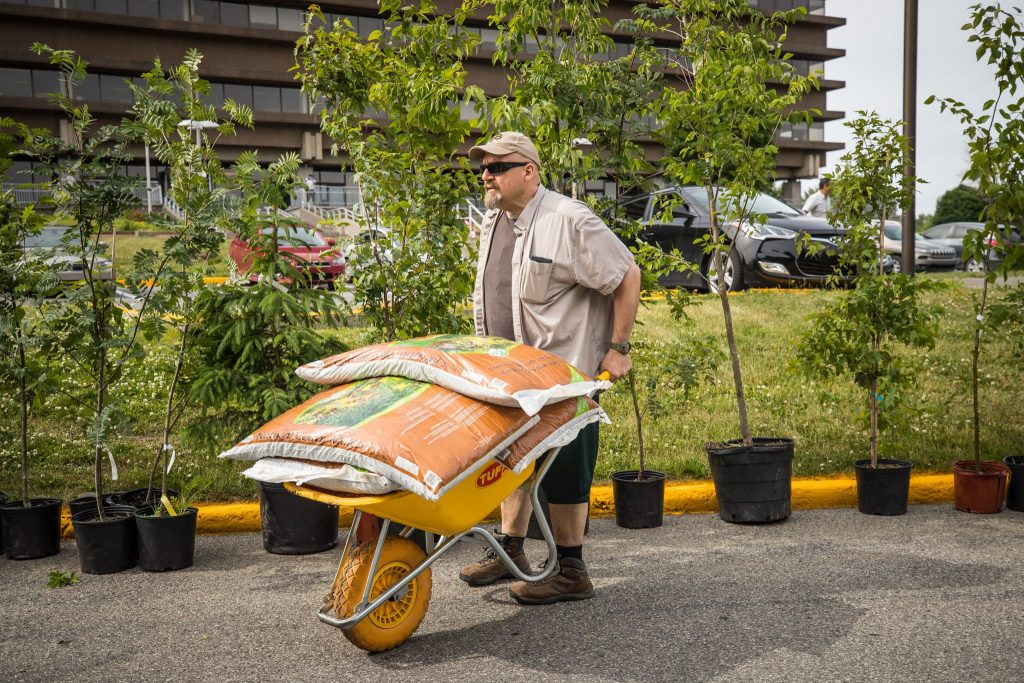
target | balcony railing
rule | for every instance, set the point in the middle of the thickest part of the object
(35, 194)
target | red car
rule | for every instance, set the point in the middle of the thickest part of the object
(312, 253)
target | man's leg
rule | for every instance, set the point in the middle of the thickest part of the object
(567, 488)
(515, 518)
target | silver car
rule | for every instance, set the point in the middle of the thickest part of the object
(928, 254)
(952, 235)
(50, 247)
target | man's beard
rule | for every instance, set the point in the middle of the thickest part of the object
(492, 199)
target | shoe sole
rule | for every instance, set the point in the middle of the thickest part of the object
(553, 599)
(476, 583)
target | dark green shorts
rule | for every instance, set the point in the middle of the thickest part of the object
(569, 479)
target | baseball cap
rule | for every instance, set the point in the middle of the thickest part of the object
(508, 142)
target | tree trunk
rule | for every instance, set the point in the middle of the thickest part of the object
(975, 356)
(873, 438)
(639, 424)
(101, 396)
(24, 424)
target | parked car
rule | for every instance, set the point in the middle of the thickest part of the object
(51, 247)
(764, 254)
(952, 235)
(312, 252)
(929, 255)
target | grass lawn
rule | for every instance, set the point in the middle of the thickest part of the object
(826, 418)
(128, 245)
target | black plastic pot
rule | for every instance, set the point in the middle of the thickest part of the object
(752, 483)
(31, 532)
(108, 546)
(166, 543)
(293, 525)
(3, 501)
(639, 503)
(1015, 488)
(82, 502)
(883, 490)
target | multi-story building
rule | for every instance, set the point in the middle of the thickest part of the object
(248, 51)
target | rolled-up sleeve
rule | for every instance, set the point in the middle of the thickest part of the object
(601, 259)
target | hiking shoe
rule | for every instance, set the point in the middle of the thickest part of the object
(491, 569)
(570, 582)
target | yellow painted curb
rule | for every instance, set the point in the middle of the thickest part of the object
(680, 498)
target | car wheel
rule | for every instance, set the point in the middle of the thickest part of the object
(897, 263)
(974, 266)
(733, 273)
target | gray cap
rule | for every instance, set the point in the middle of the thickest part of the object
(508, 142)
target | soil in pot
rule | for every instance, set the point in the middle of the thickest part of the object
(108, 546)
(639, 502)
(752, 483)
(979, 492)
(31, 532)
(166, 543)
(293, 525)
(883, 490)
(1015, 487)
(137, 497)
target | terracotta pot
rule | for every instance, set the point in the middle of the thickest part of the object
(979, 492)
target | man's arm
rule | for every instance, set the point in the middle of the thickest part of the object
(625, 302)
(809, 204)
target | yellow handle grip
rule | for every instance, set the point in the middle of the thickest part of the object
(605, 375)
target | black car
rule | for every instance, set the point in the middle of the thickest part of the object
(764, 255)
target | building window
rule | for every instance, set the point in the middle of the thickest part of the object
(266, 98)
(263, 16)
(119, 7)
(289, 19)
(207, 11)
(234, 14)
(174, 9)
(88, 89)
(114, 89)
(81, 5)
(292, 101)
(46, 82)
(242, 94)
(15, 82)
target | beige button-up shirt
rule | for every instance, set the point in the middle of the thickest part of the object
(565, 266)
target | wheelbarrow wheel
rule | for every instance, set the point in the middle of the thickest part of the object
(394, 622)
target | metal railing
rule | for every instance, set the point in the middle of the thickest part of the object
(34, 194)
(332, 197)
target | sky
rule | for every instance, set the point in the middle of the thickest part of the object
(873, 72)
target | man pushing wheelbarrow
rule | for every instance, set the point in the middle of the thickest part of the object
(433, 433)
(552, 275)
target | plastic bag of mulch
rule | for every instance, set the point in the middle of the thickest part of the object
(332, 476)
(490, 369)
(559, 424)
(420, 436)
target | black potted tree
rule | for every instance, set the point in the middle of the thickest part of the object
(273, 309)
(85, 178)
(198, 185)
(719, 127)
(29, 527)
(995, 137)
(860, 333)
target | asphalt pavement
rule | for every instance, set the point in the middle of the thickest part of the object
(829, 595)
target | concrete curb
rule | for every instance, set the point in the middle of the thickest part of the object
(680, 498)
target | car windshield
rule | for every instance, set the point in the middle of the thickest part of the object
(48, 238)
(298, 237)
(762, 203)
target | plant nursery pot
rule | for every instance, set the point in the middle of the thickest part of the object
(1015, 487)
(293, 525)
(639, 503)
(108, 546)
(981, 493)
(83, 501)
(3, 501)
(752, 483)
(166, 543)
(883, 490)
(31, 532)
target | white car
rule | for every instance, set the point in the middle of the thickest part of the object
(50, 247)
(928, 254)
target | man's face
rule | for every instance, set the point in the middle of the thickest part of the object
(827, 189)
(504, 190)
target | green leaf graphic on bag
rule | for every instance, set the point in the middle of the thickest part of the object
(359, 402)
(460, 343)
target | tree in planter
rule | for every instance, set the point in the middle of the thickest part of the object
(861, 334)
(86, 324)
(33, 528)
(199, 186)
(392, 102)
(736, 89)
(995, 138)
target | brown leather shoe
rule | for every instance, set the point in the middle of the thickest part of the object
(570, 582)
(491, 569)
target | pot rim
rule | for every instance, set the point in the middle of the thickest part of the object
(865, 463)
(990, 468)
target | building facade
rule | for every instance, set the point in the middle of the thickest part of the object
(248, 51)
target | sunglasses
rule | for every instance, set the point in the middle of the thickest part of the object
(499, 167)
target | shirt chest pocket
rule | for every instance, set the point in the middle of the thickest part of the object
(543, 279)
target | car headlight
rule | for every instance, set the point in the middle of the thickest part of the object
(768, 231)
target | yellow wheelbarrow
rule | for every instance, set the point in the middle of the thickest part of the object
(382, 588)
